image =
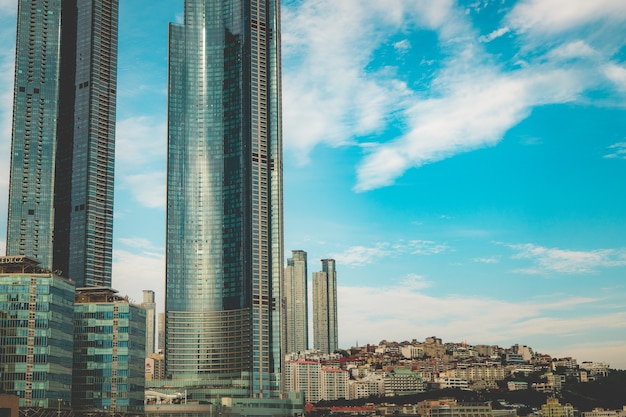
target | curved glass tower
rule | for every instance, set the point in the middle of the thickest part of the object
(224, 203)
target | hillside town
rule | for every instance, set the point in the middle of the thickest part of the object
(392, 369)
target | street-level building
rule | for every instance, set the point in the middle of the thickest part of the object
(109, 348)
(36, 328)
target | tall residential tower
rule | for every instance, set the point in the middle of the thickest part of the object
(62, 152)
(224, 205)
(296, 303)
(325, 331)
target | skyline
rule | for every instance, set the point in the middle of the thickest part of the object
(417, 209)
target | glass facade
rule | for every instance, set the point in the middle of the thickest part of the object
(36, 330)
(83, 229)
(33, 147)
(109, 348)
(62, 155)
(325, 330)
(296, 303)
(224, 205)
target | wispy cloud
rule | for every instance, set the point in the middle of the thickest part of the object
(553, 260)
(494, 35)
(363, 255)
(148, 188)
(550, 16)
(142, 244)
(333, 96)
(134, 272)
(617, 75)
(617, 150)
(329, 98)
(488, 260)
(140, 159)
(140, 140)
(9, 7)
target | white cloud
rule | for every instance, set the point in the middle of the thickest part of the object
(551, 16)
(328, 97)
(612, 353)
(616, 151)
(140, 140)
(148, 189)
(616, 74)
(141, 243)
(135, 272)
(472, 111)
(400, 312)
(362, 255)
(573, 50)
(8, 7)
(552, 260)
(331, 97)
(494, 35)
(141, 148)
(3, 247)
(488, 260)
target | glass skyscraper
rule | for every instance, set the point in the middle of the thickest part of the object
(62, 154)
(296, 303)
(224, 205)
(325, 330)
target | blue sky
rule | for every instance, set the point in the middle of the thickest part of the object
(463, 162)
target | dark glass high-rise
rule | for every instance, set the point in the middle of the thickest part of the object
(63, 137)
(224, 206)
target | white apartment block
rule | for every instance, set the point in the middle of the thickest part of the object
(371, 385)
(334, 383)
(564, 362)
(479, 373)
(304, 376)
(450, 382)
(600, 412)
(412, 351)
(595, 368)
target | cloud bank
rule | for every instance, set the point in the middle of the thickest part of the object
(335, 95)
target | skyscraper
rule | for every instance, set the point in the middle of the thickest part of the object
(150, 306)
(224, 206)
(62, 155)
(296, 303)
(325, 334)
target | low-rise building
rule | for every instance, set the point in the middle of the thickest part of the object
(553, 408)
(109, 353)
(36, 334)
(403, 382)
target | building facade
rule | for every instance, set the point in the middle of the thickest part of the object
(36, 328)
(224, 245)
(304, 376)
(150, 306)
(63, 134)
(296, 303)
(325, 330)
(109, 348)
